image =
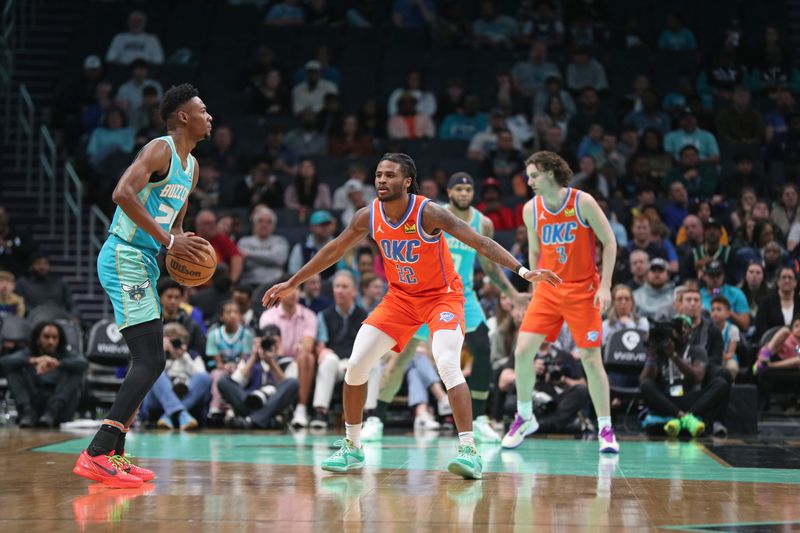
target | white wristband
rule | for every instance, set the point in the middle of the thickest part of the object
(522, 271)
(171, 241)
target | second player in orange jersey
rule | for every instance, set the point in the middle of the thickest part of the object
(424, 288)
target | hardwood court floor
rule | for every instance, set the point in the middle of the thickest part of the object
(268, 481)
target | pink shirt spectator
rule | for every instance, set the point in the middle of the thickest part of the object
(294, 328)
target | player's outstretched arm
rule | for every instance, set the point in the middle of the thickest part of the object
(597, 220)
(436, 219)
(328, 255)
(153, 158)
(495, 273)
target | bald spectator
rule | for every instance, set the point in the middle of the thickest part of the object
(639, 265)
(265, 254)
(227, 252)
(135, 44)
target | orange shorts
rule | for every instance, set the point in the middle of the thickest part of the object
(400, 315)
(571, 301)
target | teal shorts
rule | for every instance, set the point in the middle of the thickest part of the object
(129, 277)
(473, 317)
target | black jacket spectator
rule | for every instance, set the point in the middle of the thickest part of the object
(770, 315)
(40, 287)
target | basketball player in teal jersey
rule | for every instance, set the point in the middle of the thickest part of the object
(151, 203)
(461, 191)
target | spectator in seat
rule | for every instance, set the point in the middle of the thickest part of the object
(307, 193)
(544, 26)
(40, 287)
(322, 228)
(465, 122)
(589, 111)
(130, 95)
(45, 378)
(486, 140)
(311, 93)
(676, 37)
(10, 302)
(492, 30)
(265, 254)
(170, 292)
(704, 333)
(623, 313)
(355, 200)
(269, 96)
(298, 326)
(591, 144)
(408, 123)
(208, 299)
(672, 381)
(260, 187)
(650, 116)
(327, 71)
(775, 121)
(306, 140)
(639, 265)
(585, 71)
(504, 161)
(690, 134)
(741, 123)
(641, 230)
(355, 172)
(786, 212)
(285, 13)
(348, 140)
(227, 252)
(134, 44)
(676, 212)
(718, 80)
(412, 14)
(264, 375)
(311, 294)
(491, 205)
(731, 336)
(337, 327)
(553, 88)
(780, 307)
(590, 179)
(712, 248)
(786, 146)
(227, 344)
(371, 291)
(554, 116)
(699, 179)
(183, 374)
(114, 136)
(743, 177)
(654, 298)
(714, 281)
(754, 287)
(529, 76)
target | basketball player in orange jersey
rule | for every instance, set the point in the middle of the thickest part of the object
(563, 224)
(424, 288)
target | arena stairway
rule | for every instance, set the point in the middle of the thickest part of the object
(37, 66)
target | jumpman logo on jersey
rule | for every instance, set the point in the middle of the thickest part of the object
(541, 217)
(380, 229)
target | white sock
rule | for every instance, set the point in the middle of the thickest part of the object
(300, 409)
(353, 432)
(525, 409)
(603, 422)
(466, 437)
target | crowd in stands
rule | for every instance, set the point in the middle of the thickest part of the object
(697, 172)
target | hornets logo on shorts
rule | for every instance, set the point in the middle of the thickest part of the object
(136, 292)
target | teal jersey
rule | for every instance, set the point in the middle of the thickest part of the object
(463, 255)
(162, 199)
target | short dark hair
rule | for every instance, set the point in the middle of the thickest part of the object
(176, 96)
(722, 301)
(241, 287)
(167, 283)
(551, 162)
(407, 165)
(688, 147)
(37, 331)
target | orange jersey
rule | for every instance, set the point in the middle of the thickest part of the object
(415, 263)
(566, 242)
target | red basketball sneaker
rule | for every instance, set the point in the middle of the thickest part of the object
(122, 462)
(101, 469)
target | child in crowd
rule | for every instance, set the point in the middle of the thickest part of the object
(226, 345)
(721, 314)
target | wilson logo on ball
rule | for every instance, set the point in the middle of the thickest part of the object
(182, 269)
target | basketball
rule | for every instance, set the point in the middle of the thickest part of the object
(188, 271)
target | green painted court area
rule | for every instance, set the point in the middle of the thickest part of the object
(648, 460)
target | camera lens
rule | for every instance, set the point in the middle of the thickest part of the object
(176, 343)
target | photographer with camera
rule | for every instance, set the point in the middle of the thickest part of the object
(183, 387)
(259, 390)
(560, 390)
(672, 379)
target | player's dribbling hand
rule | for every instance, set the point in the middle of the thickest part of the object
(191, 245)
(539, 275)
(602, 298)
(275, 294)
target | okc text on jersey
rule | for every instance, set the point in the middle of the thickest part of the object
(401, 251)
(559, 233)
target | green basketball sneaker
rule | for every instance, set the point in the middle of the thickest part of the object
(673, 428)
(467, 463)
(346, 458)
(693, 425)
